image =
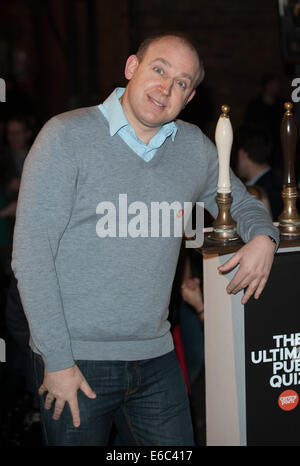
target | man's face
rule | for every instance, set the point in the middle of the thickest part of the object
(160, 85)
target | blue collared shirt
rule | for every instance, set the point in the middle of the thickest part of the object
(257, 177)
(118, 124)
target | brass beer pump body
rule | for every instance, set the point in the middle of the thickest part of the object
(224, 227)
(289, 219)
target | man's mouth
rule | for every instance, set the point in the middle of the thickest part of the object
(156, 102)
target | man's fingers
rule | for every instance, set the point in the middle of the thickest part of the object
(196, 283)
(42, 390)
(75, 411)
(87, 389)
(233, 286)
(255, 260)
(49, 400)
(241, 285)
(256, 286)
(249, 292)
(236, 282)
(59, 406)
(260, 288)
(230, 264)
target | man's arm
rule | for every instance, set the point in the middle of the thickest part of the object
(44, 208)
(255, 227)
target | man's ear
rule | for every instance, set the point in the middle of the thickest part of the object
(131, 65)
(190, 96)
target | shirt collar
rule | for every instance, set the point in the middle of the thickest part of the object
(117, 118)
(257, 177)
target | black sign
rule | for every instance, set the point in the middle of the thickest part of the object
(272, 354)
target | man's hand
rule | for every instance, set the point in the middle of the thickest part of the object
(63, 386)
(255, 259)
(191, 293)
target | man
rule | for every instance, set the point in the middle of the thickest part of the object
(253, 165)
(96, 300)
(266, 111)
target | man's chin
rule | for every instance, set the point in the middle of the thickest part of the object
(155, 122)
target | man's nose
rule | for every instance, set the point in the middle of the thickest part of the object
(166, 86)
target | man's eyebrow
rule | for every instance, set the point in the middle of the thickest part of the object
(165, 62)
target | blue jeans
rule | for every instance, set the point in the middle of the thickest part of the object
(146, 400)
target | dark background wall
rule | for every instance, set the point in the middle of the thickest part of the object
(71, 53)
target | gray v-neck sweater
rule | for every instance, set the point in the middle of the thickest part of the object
(87, 296)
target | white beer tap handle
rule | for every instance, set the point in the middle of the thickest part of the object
(224, 138)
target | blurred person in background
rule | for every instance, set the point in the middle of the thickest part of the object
(254, 150)
(266, 111)
(18, 135)
(18, 410)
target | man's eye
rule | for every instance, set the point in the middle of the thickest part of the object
(181, 84)
(158, 70)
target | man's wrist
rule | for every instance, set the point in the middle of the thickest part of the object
(270, 239)
(274, 242)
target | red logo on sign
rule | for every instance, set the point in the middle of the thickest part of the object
(288, 400)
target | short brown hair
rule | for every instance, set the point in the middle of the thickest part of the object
(185, 38)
